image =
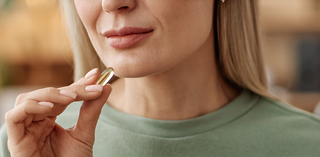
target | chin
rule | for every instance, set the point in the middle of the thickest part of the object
(132, 65)
(134, 71)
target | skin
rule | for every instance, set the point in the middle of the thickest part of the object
(181, 44)
(32, 130)
(178, 57)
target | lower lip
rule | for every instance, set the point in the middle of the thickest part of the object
(121, 42)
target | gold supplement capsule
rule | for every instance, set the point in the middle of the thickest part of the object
(105, 76)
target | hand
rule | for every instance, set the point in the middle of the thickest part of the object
(31, 126)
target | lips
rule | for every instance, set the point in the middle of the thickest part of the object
(126, 37)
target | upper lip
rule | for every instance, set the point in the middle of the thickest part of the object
(126, 31)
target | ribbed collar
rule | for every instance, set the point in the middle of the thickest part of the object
(181, 128)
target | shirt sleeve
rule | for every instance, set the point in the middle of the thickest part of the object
(4, 152)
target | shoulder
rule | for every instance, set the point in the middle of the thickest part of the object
(272, 113)
(284, 112)
(275, 126)
(285, 122)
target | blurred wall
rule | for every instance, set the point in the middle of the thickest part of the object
(34, 49)
(33, 45)
(291, 34)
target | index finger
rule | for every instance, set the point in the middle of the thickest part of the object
(89, 78)
(16, 117)
(102, 79)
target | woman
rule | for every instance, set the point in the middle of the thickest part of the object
(191, 83)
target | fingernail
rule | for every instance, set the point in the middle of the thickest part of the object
(91, 73)
(68, 94)
(94, 88)
(48, 104)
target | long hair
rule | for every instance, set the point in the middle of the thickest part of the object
(84, 55)
(238, 47)
(237, 43)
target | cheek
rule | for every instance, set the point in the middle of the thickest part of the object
(187, 25)
(88, 11)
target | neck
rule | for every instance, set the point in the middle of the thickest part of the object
(191, 89)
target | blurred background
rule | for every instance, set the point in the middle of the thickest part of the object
(35, 52)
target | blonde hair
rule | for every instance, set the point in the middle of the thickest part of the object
(237, 43)
(84, 55)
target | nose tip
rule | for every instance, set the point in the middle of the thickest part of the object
(117, 5)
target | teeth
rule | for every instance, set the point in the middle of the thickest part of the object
(105, 76)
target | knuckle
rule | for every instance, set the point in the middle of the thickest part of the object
(20, 98)
(24, 106)
(50, 90)
(80, 81)
(76, 83)
(74, 88)
(7, 116)
(25, 103)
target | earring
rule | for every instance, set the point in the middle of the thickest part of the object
(222, 1)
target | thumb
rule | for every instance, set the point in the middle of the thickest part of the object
(84, 129)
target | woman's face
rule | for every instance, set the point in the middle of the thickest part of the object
(145, 37)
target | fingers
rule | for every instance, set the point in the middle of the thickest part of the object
(48, 94)
(62, 98)
(24, 148)
(85, 92)
(88, 82)
(64, 95)
(84, 89)
(15, 118)
(41, 106)
(88, 117)
(89, 78)
(20, 113)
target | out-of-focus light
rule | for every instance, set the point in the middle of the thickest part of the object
(5, 4)
(40, 3)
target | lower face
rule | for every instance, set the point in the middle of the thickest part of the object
(173, 31)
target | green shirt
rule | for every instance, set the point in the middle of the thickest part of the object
(249, 126)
